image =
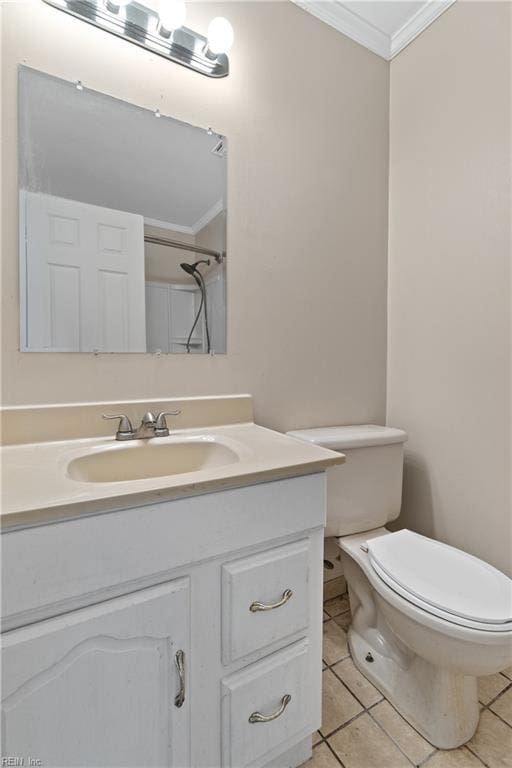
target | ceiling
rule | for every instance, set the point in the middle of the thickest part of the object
(86, 146)
(383, 26)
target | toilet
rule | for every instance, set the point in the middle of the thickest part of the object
(427, 618)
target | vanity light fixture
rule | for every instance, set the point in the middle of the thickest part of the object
(161, 32)
(220, 36)
(171, 15)
(114, 5)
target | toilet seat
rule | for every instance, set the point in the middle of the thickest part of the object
(443, 581)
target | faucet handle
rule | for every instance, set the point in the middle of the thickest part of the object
(161, 428)
(125, 429)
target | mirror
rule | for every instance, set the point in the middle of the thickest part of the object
(122, 225)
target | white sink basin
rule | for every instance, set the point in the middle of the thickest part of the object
(144, 459)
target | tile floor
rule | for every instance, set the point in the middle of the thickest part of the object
(360, 729)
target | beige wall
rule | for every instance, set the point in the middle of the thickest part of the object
(449, 277)
(213, 235)
(306, 114)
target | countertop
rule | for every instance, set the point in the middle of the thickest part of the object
(37, 489)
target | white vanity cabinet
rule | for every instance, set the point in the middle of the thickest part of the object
(100, 686)
(279, 577)
(183, 633)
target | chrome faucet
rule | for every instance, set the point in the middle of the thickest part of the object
(150, 426)
(146, 428)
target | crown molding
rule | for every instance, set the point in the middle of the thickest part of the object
(348, 23)
(338, 15)
(200, 224)
(168, 225)
(417, 23)
(208, 216)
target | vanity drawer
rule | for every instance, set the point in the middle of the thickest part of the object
(265, 598)
(266, 705)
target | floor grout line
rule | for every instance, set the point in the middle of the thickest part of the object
(340, 727)
(475, 755)
(435, 750)
(350, 690)
(496, 715)
(492, 701)
(412, 726)
(397, 745)
(335, 754)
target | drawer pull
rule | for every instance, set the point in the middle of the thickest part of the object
(257, 717)
(179, 660)
(270, 606)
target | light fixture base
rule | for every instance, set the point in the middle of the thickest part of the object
(140, 25)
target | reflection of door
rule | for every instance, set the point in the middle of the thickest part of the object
(97, 686)
(170, 315)
(84, 277)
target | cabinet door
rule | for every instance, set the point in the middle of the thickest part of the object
(97, 686)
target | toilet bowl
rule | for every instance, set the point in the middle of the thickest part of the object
(426, 659)
(427, 618)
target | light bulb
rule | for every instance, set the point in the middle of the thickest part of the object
(220, 36)
(172, 14)
(114, 6)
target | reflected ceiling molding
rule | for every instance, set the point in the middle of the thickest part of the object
(385, 34)
(208, 216)
(169, 225)
(200, 224)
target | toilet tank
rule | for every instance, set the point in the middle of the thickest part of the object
(366, 491)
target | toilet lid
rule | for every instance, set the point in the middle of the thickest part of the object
(442, 577)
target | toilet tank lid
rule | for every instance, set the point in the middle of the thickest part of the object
(350, 436)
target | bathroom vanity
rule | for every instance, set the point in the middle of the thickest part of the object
(177, 623)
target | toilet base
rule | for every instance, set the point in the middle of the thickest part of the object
(441, 705)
